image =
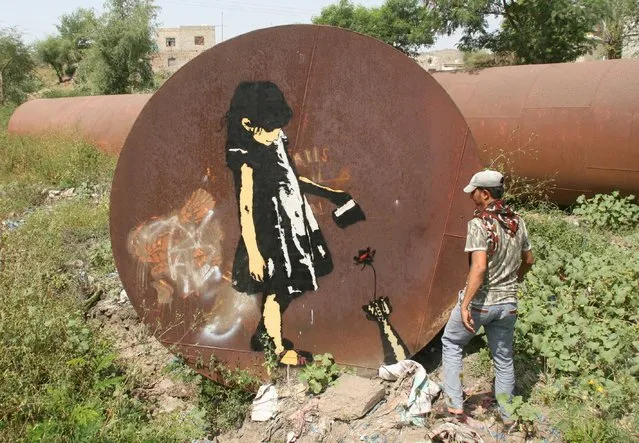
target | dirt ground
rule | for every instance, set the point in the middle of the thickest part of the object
(298, 417)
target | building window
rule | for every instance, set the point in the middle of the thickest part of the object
(170, 61)
(199, 40)
(170, 41)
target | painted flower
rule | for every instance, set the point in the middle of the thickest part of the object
(364, 257)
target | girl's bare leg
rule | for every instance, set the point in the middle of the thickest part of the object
(273, 322)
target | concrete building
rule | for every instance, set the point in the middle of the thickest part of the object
(631, 47)
(177, 46)
(441, 60)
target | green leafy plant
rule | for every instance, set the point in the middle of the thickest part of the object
(320, 374)
(518, 409)
(579, 317)
(270, 357)
(608, 211)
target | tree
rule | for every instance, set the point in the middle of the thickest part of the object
(54, 52)
(535, 31)
(65, 51)
(17, 78)
(78, 28)
(475, 60)
(404, 24)
(118, 60)
(620, 22)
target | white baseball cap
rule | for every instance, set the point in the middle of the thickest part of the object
(485, 179)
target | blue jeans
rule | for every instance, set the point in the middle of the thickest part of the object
(499, 323)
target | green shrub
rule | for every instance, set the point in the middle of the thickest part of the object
(580, 316)
(65, 92)
(608, 211)
(320, 374)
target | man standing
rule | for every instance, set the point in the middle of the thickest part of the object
(499, 255)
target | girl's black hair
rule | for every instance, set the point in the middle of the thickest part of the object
(262, 103)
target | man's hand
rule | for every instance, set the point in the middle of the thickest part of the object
(467, 319)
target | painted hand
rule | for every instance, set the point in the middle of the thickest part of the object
(256, 267)
(378, 310)
(467, 319)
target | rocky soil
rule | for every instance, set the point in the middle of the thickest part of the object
(361, 409)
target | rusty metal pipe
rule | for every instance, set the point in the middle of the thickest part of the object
(575, 122)
(103, 120)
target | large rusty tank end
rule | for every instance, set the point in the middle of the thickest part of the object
(366, 120)
(103, 120)
(575, 122)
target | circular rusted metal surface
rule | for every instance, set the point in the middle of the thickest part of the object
(103, 120)
(575, 122)
(366, 120)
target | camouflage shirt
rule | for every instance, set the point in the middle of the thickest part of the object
(500, 280)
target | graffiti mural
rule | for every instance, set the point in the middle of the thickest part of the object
(379, 310)
(180, 255)
(282, 251)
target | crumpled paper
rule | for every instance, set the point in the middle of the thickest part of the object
(454, 433)
(265, 403)
(422, 393)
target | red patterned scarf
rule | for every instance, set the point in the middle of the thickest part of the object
(501, 213)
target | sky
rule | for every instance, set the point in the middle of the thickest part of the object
(36, 19)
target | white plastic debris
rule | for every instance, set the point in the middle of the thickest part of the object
(423, 390)
(265, 403)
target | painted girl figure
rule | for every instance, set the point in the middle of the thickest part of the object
(282, 251)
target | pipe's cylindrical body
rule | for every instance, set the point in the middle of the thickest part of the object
(575, 122)
(103, 120)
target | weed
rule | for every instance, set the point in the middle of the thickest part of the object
(225, 406)
(320, 374)
(608, 211)
(578, 318)
(518, 409)
(16, 197)
(237, 378)
(271, 361)
(519, 189)
(64, 92)
(60, 380)
(579, 425)
(60, 162)
(101, 256)
(479, 364)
